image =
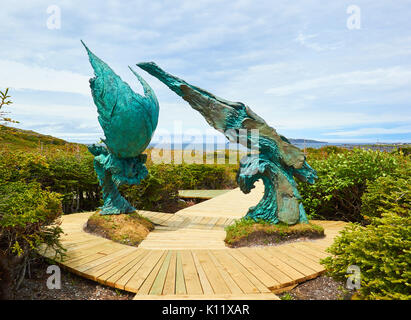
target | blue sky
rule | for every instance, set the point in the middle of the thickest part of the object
(295, 63)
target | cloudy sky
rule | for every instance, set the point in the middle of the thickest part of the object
(300, 65)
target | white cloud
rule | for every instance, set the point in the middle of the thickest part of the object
(64, 112)
(318, 75)
(382, 77)
(333, 120)
(370, 131)
(307, 41)
(17, 75)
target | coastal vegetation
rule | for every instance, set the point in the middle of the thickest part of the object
(247, 232)
(42, 177)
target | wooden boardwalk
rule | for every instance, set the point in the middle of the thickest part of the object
(200, 194)
(185, 258)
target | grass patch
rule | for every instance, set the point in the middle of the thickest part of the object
(129, 229)
(246, 232)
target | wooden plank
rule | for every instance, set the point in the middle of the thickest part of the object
(220, 223)
(297, 255)
(120, 264)
(186, 222)
(201, 194)
(297, 265)
(71, 246)
(174, 221)
(211, 224)
(119, 274)
(231, 284)
(140, 276)
(89, 248)
(162, 219)
(192, 280)
(108, 255)
(229, 222)
(84, 260)
(94, 265)
(281, 278)
(213, 276)
(276, 262)
(251, 277)
(75, 258)
(315, 247)
(148, 282)
(194, 222)
(120, 283)
(150, 214)
(170, 282)
(318, 244)
(206, 286)
(259, 273)
(180, 282)
(259, 296)
(160, 279)
(230, 265)
(309, 250)
(104, 264)
(204, 223)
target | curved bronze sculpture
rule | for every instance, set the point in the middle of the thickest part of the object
(277, 163)
(128, 121)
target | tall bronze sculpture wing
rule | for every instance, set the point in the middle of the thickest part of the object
(128, 121)
(277, 163)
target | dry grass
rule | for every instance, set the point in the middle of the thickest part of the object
(129, 229)
(246, 232)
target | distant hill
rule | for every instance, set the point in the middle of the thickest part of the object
(305, 141)
(19, 139)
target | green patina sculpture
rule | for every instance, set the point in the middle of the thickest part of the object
(277, 162)
(128, 121)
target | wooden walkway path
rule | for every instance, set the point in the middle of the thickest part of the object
(185, 258)
(200, 194)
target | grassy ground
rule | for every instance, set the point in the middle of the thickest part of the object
(19, 139)
(246, 232)
(129, 229)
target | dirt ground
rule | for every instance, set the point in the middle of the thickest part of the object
(320, 288)
(73, 287)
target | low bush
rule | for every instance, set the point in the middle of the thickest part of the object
(342, 181)
(159, 191)
(72, 175)
(382, 252)
(27, 219)
(387, 194)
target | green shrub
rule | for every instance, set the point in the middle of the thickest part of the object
(324, 152)
(27, 219)
(387, 194)
(342, 181)
(382, 250)
(405, 150)
(72, 175)
(159, 191)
